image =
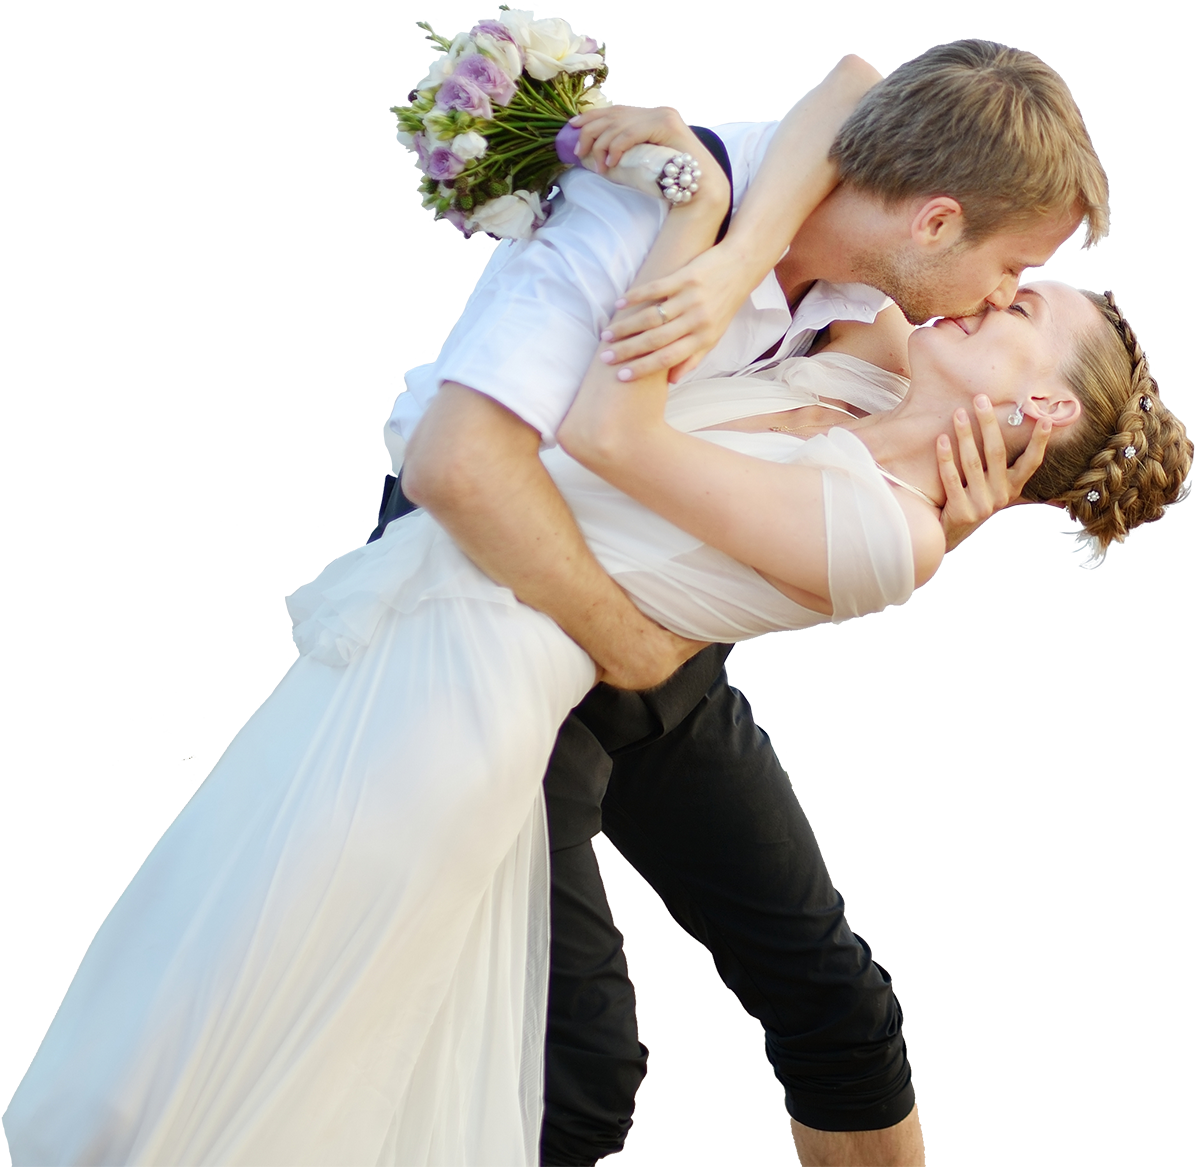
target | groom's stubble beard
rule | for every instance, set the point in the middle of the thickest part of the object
(922, 289)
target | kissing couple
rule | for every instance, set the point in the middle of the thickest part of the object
(375, 935)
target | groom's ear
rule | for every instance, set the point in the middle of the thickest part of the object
(937, 222)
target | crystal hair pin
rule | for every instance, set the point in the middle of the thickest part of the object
(1130, 451)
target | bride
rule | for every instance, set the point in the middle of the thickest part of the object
(337, 953)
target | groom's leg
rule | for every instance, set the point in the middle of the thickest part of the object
(707, 814)
(594, 1061)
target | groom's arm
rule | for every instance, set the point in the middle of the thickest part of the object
(474, 465)
(500, 387)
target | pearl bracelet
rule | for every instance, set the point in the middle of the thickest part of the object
(680, 179)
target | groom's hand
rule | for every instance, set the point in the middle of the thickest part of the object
(662, 653)
(986, 484)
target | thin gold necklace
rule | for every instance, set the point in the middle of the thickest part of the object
(815, 425)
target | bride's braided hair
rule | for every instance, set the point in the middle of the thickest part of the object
(1128, 455)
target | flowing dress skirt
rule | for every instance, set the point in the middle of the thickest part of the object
(337, 954)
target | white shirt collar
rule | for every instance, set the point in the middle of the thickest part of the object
(822, 305)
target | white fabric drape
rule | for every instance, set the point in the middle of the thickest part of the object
(337, 954)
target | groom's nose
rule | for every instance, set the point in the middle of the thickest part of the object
(1005, 292)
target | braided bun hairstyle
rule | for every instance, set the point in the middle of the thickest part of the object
(1127, 455)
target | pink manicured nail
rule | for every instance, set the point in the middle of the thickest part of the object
(625, 375)
(622, 302)
(606, 334)
(607, 357)
(981, 402)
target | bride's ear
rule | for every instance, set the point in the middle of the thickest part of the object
(1061, 406)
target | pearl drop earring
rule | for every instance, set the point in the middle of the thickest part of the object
(1017, 416)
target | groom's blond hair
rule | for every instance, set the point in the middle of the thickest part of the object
(993, 127)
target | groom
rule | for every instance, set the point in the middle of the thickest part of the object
(946, 196)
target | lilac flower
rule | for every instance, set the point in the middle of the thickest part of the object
(456, 217)
(488, 76)
(459, 93)
(492, 28)
(421, 145)
(590, 45)
(443, 164)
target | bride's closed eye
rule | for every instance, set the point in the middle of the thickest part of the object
(1021, 311)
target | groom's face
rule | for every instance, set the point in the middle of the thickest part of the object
(969, 277)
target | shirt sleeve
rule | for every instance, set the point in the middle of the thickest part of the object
(530, 329)
(747, 144)
(531, 326)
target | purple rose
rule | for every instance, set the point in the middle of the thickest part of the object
(459, 93)
(484, 73)
(589, 46)
(443, 164)
(422, 148)
(456, 217)
(492, 28)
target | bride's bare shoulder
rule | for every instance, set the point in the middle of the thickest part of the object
(883, 343)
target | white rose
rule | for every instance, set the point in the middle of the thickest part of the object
(405, 139)
(503, 52)
(578, 62)
(511, 216)
(469, 145)
(550, 45)
(460, 46)
(518, 22)
(593, 99)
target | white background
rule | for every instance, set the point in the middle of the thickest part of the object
(1102, 1070)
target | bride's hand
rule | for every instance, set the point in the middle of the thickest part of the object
(698, 302)
(606, 133)
(991, 484)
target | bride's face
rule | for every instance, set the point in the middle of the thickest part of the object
(1014, 354)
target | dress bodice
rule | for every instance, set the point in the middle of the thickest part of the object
(700, 592)
(684, 584)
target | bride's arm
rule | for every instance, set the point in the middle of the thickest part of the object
(702, 297)
(766, 515)
(688, 233)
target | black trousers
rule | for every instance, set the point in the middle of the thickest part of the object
(690, 791)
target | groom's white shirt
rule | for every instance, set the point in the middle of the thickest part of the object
(530, 328)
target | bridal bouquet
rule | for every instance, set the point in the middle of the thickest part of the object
(488, 125)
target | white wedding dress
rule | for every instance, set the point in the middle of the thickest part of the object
(337, 954)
